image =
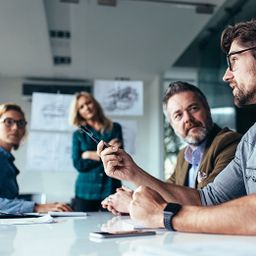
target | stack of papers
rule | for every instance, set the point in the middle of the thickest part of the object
(67, 214)
(27, 221)
(36, 218)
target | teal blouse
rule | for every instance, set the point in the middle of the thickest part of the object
(92, 183)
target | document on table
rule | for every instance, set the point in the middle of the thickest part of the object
(59, 214)
(68, 214)
(28, 221)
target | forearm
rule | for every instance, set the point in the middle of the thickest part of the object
(170, 192)
(15, 205)
(234, 217)
(90, 155)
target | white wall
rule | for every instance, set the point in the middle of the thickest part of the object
(59, 186)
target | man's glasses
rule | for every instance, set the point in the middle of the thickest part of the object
(230, 62)
(9, 122)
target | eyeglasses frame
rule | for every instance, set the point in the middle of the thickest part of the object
(17, 122)
(237, 52)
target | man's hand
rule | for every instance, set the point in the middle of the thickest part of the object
(115, 142)
(147, 207)
(117, 163)
(53, 207)
(118, 203)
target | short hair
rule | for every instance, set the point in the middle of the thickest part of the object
(243, 32)
(179, 87)
(12, 106)
(76, 119)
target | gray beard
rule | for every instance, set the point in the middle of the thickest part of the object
(198, 138)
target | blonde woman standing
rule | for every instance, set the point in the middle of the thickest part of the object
(92, 184)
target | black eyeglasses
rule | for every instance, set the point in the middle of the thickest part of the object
(9, 122)
(230, 63)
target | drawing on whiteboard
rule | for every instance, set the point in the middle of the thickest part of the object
(120, 98)
(53, 110)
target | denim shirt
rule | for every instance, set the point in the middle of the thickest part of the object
(238, 178)
(9, 188)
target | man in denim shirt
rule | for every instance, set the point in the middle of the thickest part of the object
(233, 190)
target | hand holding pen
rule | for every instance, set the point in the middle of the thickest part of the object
(117, 163)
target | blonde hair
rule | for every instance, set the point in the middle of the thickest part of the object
(76, 119)
(5, 107)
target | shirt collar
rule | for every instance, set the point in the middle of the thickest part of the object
(194, 157)
(7, 154)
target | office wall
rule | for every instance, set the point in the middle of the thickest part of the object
(59, 186)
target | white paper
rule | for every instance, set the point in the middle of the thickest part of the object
(50, 112)
(129, 129)
(68, 214)
(120, 97)
(49, 151)
(28, 221)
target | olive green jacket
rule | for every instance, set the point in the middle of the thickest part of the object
(219, 151)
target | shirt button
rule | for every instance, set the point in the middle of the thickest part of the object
(101, 174)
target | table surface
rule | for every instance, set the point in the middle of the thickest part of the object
(70, 236)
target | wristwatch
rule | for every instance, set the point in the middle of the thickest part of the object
(170, 211)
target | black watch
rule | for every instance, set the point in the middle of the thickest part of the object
(170, 211)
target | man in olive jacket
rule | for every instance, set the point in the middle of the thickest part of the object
(218, 152)
(209, 148)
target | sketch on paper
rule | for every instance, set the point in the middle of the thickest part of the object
(120, 97)
(50, 112)
(49, 151)
(53, 110)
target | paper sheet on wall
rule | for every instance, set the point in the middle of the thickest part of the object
(120, 97)
(50, 112)
(129, 129)
(49, 151)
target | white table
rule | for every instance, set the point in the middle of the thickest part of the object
(70, 236)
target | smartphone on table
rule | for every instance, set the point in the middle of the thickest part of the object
(122, 234)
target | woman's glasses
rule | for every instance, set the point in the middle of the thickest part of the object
(9, 122)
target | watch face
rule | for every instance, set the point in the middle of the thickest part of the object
(172, 208)
(170, 211)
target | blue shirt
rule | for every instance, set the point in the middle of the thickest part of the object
(9, 189)
(194, 158)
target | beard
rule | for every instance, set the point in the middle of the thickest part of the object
(196, 138)
(243, 98)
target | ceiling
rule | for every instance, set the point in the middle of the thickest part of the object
(134, 39)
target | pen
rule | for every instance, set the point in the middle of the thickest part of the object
(90, 134)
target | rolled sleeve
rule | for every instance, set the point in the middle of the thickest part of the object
(16, 206)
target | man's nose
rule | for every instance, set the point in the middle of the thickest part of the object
(187, 117)
(227, 75)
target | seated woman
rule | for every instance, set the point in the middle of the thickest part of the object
(12, 130)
